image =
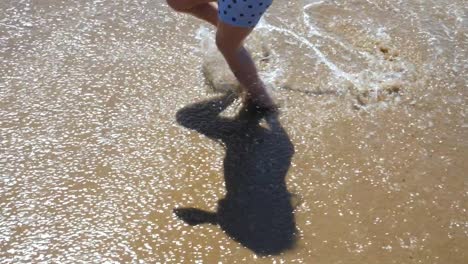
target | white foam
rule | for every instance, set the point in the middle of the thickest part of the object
(319, 55)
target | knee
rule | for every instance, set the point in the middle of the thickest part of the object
(219, 43)
(177, 5)
(224, 46)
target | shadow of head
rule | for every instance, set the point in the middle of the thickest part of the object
(256, 210)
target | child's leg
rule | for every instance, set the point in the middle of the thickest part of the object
(202, 9)
(229, 40)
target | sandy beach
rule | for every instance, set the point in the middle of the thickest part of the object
(116, 133)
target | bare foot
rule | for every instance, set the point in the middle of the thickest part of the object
(263, 103)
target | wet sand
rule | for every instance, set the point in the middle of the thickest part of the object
(100, 142)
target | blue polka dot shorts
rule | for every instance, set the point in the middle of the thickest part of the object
(242, 13)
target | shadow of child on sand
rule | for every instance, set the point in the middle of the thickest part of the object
(257, 210)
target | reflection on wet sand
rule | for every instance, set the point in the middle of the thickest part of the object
(92, 161)
(256, 210)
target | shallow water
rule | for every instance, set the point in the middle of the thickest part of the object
(99, 140)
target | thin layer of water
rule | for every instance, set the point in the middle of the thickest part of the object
(93, 159)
